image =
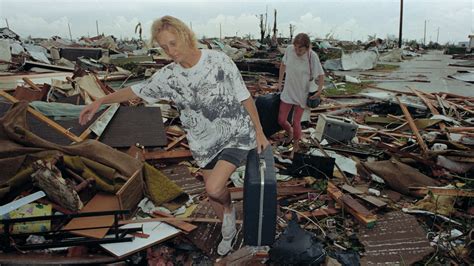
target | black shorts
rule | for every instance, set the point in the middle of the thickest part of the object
(234, 156)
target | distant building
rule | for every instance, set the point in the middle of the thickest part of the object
(471, 43)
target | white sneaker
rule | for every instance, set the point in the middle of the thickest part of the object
(228, 233)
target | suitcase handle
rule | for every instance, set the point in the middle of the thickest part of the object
(263, 167)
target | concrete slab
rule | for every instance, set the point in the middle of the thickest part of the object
(432, 66)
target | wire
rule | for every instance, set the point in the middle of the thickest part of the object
(310, 166)
(306, 217)
(123, 83)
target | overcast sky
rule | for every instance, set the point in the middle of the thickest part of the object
(346, 19)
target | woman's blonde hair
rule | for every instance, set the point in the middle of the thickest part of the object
(176, 26)
(302, 40)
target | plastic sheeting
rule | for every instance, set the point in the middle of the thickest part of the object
(363, 60)
(333, 64)
(60, 111)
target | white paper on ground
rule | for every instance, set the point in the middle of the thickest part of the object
(157, 231)
(346, 164)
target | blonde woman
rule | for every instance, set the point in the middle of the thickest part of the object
(301, 68)
(216, 110)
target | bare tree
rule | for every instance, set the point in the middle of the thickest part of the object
(138, 28)
(275, 24)
(292, 30)
(263, 27)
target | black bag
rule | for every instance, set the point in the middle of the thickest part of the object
(268, 107)
(260, 198)
(312, 103)
(297, 246)
(311, 165)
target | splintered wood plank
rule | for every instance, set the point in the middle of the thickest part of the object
(433, 110)
(100, 202)
(352, 206)
(370, 199)
(413, 127)
(31, 83)
(186, 227)
(425, 101)
(175, 142)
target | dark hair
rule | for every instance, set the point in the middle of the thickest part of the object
(302, 40)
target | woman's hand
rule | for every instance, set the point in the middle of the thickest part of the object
(89, 111)
(316, 95)
(262, 141)
(278, 86)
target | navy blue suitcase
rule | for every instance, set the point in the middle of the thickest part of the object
(260, 199)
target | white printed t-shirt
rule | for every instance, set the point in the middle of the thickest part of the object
(208, 96)
(296, 87)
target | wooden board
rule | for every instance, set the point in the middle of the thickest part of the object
(100, 202)
(43, 118)
(61, 132)
(352, 206)
(131, 192)
(186, 227)
(370, 199)
(411, 123)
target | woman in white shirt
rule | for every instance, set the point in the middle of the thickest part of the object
(301, 68)
(216, 111)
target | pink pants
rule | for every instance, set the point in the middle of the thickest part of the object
(283, 119)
